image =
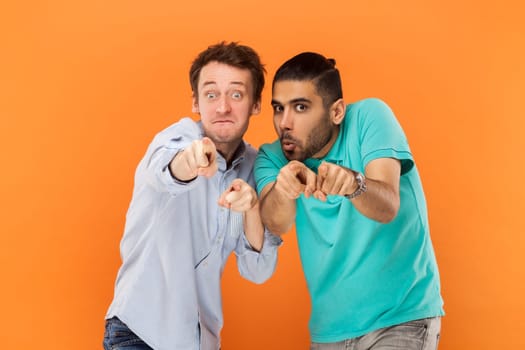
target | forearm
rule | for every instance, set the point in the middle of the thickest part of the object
(277, 211)
(179, 168)
(162, 150)
(253, 227)
(258, 266)
(157, 172)
(380, 202)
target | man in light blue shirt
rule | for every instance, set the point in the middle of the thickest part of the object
(193, 204)
(345, 175)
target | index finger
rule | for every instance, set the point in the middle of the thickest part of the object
(234, 187)
(200, 154)
(305, 176)
(322, 173)
(209, 149)
(309, 181)
(208, 156)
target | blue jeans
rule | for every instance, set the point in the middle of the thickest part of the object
(414, 335)
(119, 337)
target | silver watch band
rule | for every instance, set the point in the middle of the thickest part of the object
(361, 186)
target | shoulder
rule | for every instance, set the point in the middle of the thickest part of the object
(271, 152)
(183, 125)
(271, 148)
(367, 105)
(367, 112)
(184, 129)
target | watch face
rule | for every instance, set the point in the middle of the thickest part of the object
(361, 181)
(361, 186)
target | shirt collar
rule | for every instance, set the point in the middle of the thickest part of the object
(238, 156)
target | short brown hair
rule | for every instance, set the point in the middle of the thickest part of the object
(232, 54)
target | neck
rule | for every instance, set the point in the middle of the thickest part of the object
(326, 148)
(228, 151)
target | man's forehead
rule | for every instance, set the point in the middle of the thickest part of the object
(294, 90)
(215, 73)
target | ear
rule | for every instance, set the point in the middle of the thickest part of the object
(195, 103)
(337, 111)
(256, 108)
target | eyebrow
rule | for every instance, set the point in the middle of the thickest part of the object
(295, 100)
(211, 82)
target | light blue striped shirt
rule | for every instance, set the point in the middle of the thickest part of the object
(176, 242)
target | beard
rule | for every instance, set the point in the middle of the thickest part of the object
(315, 141)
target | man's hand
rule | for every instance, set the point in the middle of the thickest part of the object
(239, 197)
(334, 179)
(295, 178)
(198, 159)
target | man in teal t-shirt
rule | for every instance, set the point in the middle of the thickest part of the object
(346, 176)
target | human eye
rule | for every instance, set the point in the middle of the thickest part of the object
(300, 107)
(210, 95)
(236, 95)
(277, 108)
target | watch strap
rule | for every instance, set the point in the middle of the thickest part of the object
(361, 186)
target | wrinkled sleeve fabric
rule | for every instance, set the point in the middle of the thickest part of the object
(257, 266)
(253, 265)
(163, 149)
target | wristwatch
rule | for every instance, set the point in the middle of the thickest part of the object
(361, 186)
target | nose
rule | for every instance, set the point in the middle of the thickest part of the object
(286, 122)
(223, 105)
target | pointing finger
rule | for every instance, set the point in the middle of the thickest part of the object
(207, 156)
(200, 156)
(310, 182)
(322, 173)
(209, 149)
(232, 196)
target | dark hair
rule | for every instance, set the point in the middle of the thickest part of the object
(316, 68)
(232, 54)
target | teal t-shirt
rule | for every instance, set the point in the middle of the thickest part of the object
(363, 275)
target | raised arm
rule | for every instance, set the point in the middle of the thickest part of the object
(257, 249)
(199, 158)
(241, 197)
(380, 201)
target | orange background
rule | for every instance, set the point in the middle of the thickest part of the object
(84, 86)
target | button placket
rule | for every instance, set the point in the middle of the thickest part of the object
(223, 212)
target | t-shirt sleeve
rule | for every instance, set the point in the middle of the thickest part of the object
(267, 165)
(381, 135)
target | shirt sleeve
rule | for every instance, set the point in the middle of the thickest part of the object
(267, 164)
(257, 266)
(162, 150)
(381, 135)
